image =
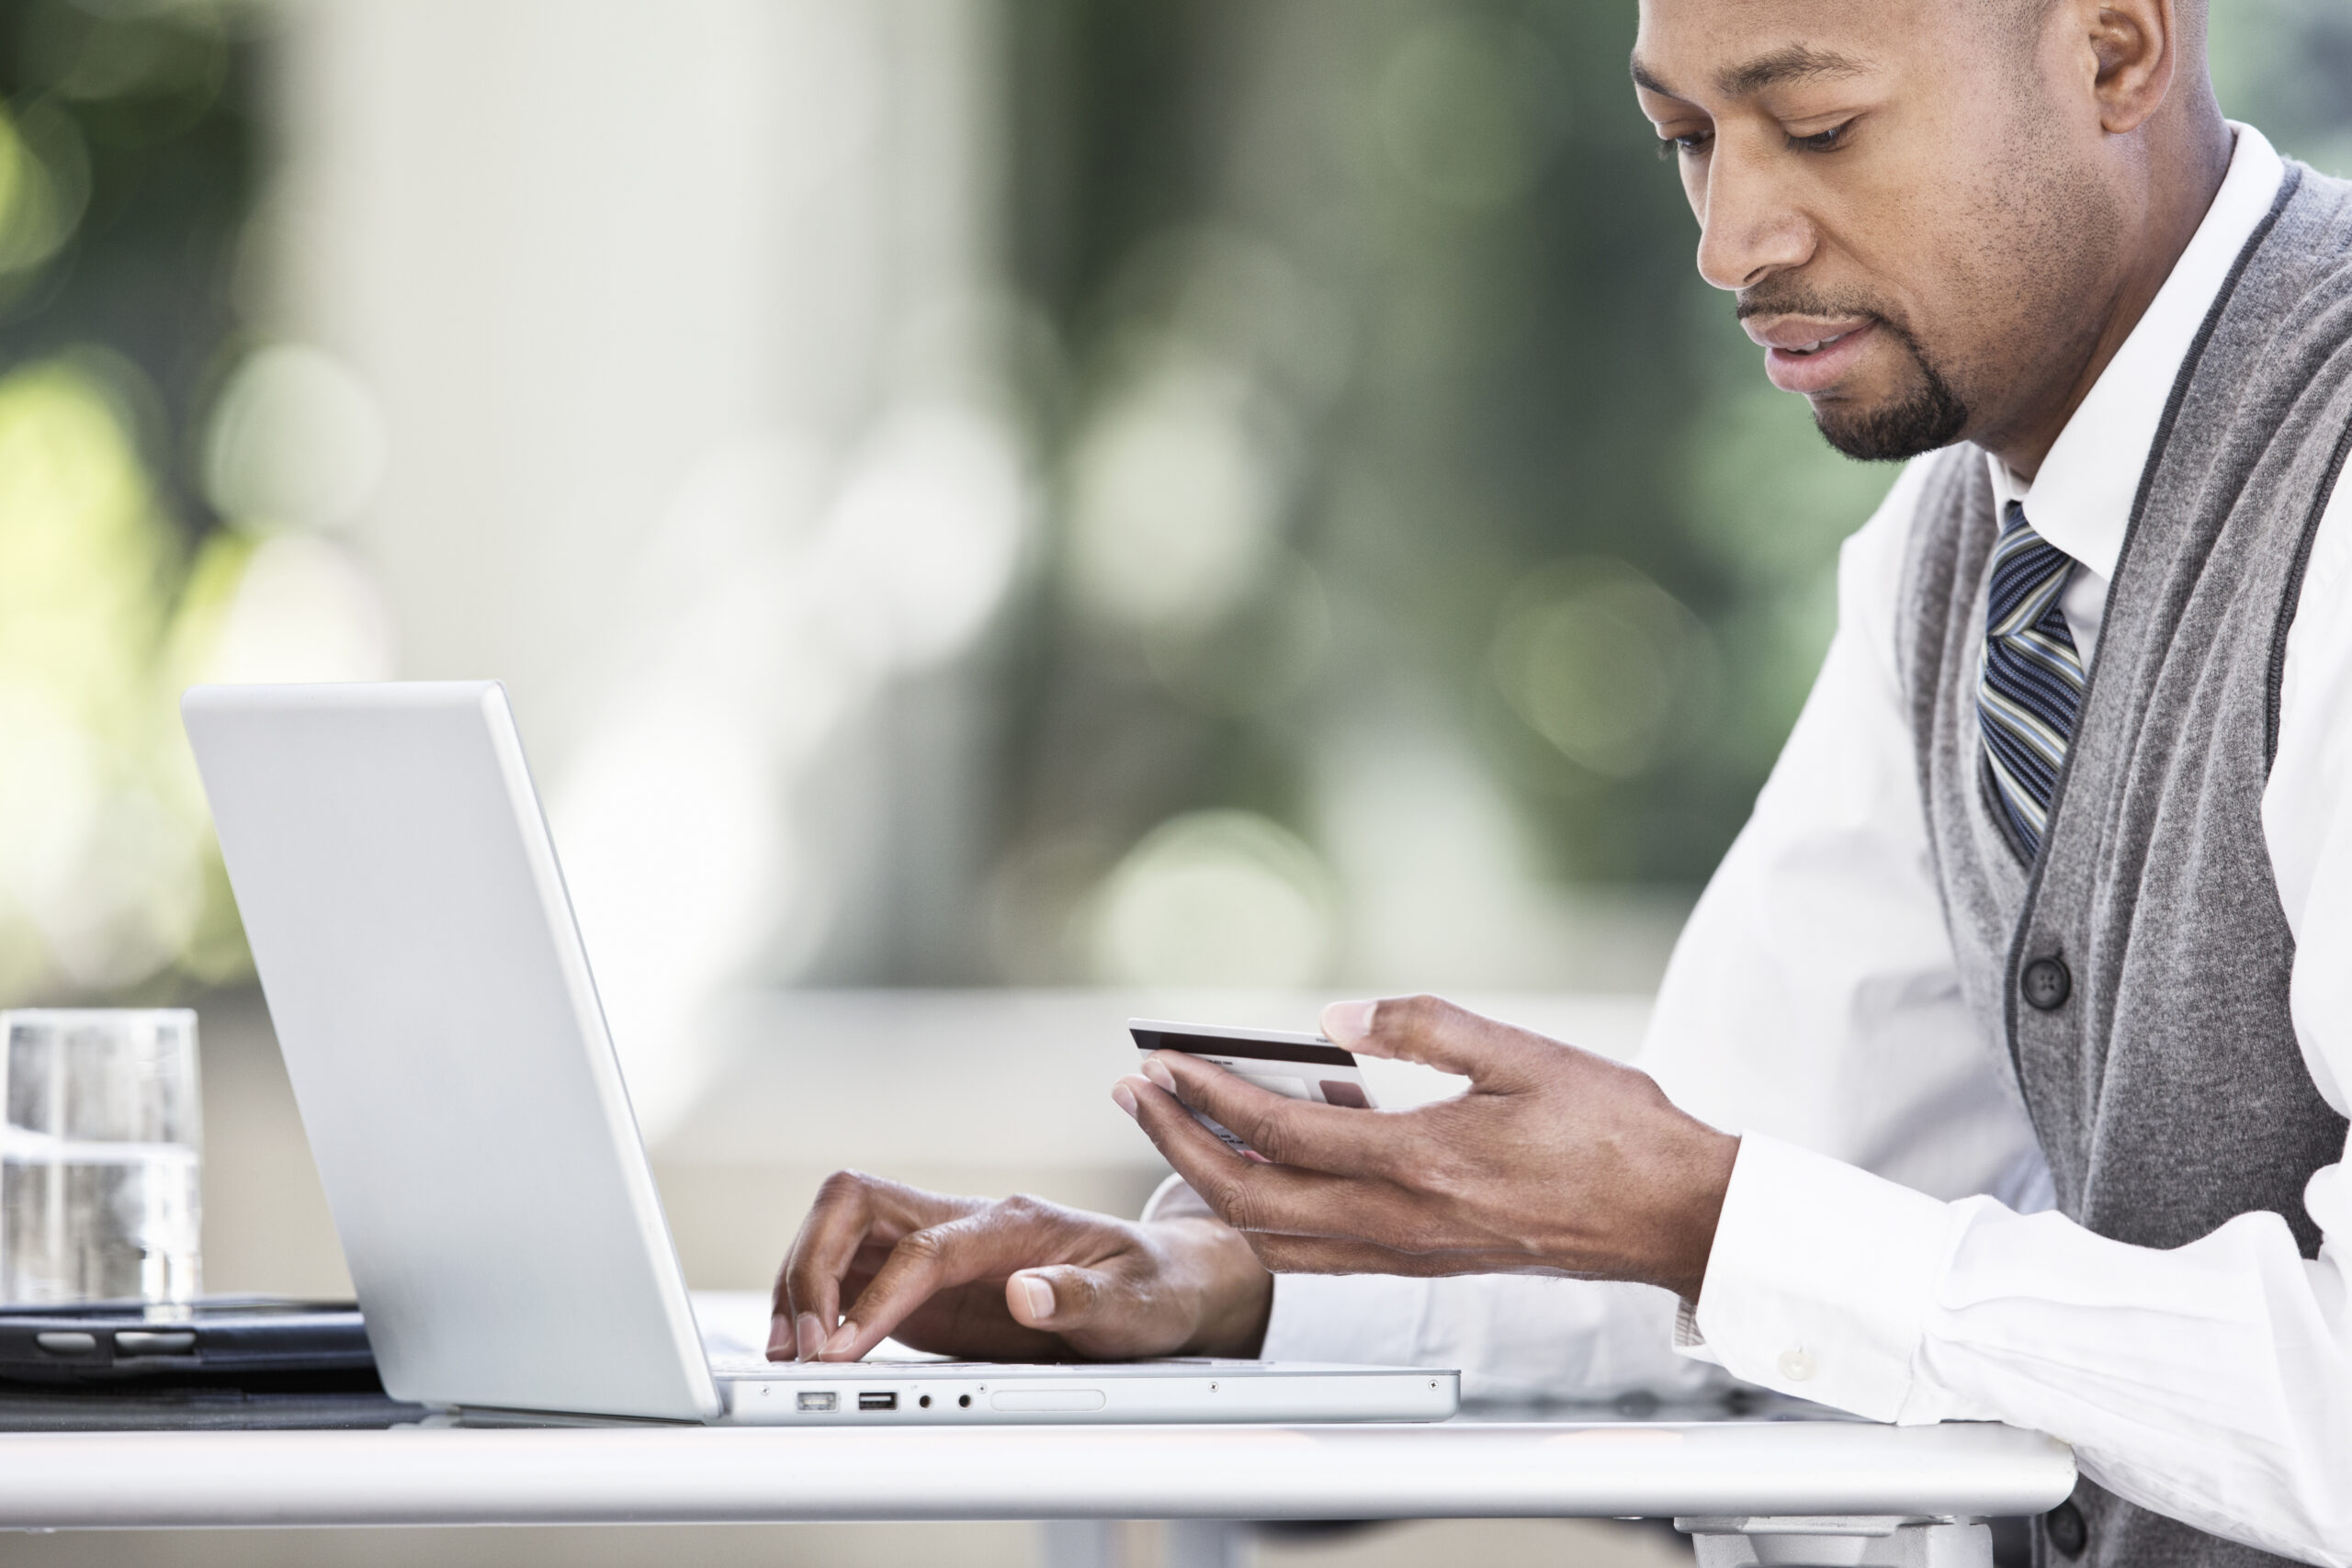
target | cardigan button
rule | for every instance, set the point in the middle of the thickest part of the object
(2046, 984)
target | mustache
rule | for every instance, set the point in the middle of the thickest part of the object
(1767, 300)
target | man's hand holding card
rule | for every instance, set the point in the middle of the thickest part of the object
(1556, 1161)
(1296, 1066)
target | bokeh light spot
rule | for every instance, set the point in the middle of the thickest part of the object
(923, 539)
(299, 608)
(1255, 658)
(1216, 898)
(295, 441)
(1605, 664)
(43, 186)
(1175, 495)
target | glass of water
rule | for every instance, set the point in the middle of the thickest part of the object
(99, 1157)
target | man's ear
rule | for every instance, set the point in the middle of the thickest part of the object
(2134, 49)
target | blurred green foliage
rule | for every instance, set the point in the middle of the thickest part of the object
(139, 118)
(126, 169)
(1530, 484)
(1545, 497)
(1387, 416)
(2286, 65)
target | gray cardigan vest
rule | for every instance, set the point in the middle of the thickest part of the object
(2138, 970)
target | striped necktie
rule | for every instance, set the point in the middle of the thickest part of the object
(2029, 685)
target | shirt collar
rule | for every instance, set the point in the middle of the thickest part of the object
(2081, 500)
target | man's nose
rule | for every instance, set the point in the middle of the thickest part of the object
(1748, 230)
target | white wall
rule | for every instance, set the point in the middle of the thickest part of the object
(680, 319)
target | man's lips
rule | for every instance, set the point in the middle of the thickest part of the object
(1810, 354)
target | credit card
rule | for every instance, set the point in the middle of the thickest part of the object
(1296, 1066)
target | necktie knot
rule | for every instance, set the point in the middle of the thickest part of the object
(2030, 686)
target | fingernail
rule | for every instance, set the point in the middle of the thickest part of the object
(1124, 1097)
(1156, 1071)
(780, 1339)
(843, 1337)
(1039, 1294)
(811, 1330)
(1345, 1023)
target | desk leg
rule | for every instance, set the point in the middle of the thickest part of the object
(1852, 1541)
(1082, 1543)
(1183, 1543)
(1205, 1543)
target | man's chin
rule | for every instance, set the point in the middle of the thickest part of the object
(1889, 431)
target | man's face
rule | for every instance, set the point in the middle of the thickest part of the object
(1912, 215)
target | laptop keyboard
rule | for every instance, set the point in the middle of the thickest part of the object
(737, 1366)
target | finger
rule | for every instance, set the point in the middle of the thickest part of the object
(1252, 1195)
(1065, 1299)
(852, 1213)
(1288, 1132)
(926, 1261)
(1200, 1156)
(807, 1286)
(1429, 1029)
(1126, 1305)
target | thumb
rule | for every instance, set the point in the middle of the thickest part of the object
(1437, 1033)
(1097, 1312)
(1058, 1299)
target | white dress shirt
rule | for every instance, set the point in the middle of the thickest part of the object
(1885, 1244)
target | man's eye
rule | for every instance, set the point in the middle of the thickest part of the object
(1693, 143)
(1827, 141)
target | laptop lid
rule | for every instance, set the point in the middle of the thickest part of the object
(433, 1001)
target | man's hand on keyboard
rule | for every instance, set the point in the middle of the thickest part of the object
(1012, 1279)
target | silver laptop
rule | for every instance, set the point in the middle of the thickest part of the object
(434, 1002)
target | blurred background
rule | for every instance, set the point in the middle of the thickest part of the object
(992, 513)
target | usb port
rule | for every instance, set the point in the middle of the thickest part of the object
(875, 1399)
(811, 1399)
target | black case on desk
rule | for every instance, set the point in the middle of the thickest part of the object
(244, 1340)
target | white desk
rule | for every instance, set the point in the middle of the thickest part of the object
(1464, 1469)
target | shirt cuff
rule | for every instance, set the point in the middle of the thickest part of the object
(1819, 1282)
(1173, 1199)
(1357, 1319)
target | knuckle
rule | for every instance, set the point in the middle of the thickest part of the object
(1270, 1134)
(841, 1185)
(929, 1245)
(1022, 1210)
(1234, 1201)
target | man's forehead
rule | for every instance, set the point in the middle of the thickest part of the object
(1734, 48)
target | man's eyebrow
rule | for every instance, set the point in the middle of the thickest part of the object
(1648, 83)
(1797, 63)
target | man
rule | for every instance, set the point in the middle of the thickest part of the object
(2028, 983)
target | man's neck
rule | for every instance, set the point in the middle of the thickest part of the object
(2191, 175)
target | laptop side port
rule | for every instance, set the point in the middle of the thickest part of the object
(876, 1399)
(817, 1399)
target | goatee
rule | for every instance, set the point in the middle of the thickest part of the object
(1932, 416)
